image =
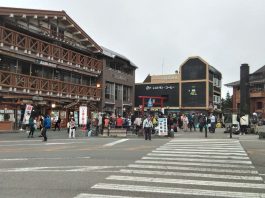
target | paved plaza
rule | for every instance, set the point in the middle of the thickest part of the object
(188, 165)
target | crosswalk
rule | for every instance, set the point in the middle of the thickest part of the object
(186, 168)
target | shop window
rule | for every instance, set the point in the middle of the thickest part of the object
(259, 105)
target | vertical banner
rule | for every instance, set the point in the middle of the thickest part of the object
(27, 114)
(162, 126)
(82, 115)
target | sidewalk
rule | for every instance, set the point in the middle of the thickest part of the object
(219, 134)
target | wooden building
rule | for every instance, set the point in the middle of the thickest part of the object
(196, 87)
(257, 93)
(48, 61)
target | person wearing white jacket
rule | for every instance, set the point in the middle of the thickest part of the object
(244, 124)
(72, 128)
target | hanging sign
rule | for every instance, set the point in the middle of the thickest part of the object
(27, 114)
(82, 115)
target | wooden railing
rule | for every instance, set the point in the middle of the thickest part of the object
(32, 85)
(47, 50)
(257, 93)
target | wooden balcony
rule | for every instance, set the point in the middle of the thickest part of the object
(31, 45)
(23, 84)
(257, 93)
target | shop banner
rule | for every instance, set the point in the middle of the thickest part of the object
(27, 114)
(82, 115)
(162, 126)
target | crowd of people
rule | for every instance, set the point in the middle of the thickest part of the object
(145, 124)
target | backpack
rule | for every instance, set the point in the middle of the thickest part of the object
(47, 122)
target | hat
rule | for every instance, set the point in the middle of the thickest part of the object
(255, 114)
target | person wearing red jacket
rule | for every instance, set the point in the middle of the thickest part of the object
(119, 122)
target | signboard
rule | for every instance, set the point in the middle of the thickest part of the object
(37, 98)
(150, 103)
(82, 115)
(76, 118)
(162, 126)
(27, 114)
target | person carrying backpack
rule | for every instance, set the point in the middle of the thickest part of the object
(46, 125)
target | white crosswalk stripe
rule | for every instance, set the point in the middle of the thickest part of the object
(187, 167)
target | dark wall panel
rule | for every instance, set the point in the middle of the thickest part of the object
(193, 94)
(171, 91)
(193, 69)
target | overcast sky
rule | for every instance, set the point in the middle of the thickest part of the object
(159, 35)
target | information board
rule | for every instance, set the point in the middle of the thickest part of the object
(162, 126)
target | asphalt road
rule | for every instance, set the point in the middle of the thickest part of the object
(185, 166)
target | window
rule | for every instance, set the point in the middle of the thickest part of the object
(76, 79)
(126, 94)
(109, 91)
(53, 30)
(47, 72)
(36, 70)
(61, 33)
(24, 67)
(259, 105)
(118, 92)
(8, 64)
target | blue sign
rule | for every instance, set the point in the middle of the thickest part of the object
(150, 103)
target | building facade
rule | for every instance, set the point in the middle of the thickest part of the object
(257, 93)
(118, 79)
(47, 61)
(197, 87)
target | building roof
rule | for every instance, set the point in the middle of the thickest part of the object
(213, 69)
(70, 23)
(260, 70)
(161, 79)
(252, 80)
(232, 84)
(112, 54)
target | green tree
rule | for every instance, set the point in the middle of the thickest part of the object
(227, 103)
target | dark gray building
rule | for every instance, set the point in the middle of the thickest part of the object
(118, 79)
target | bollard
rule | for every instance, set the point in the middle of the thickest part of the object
(205, 131)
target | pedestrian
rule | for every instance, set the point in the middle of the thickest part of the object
(72, 128)
(46, 125)
(254, 121)
(119, 122)
(32, 126)
(213, 123)
(147, 126)
(244, 124)
(137, 123)
(185, 121)
(57, 124)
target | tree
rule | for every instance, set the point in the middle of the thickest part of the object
(227, 103)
